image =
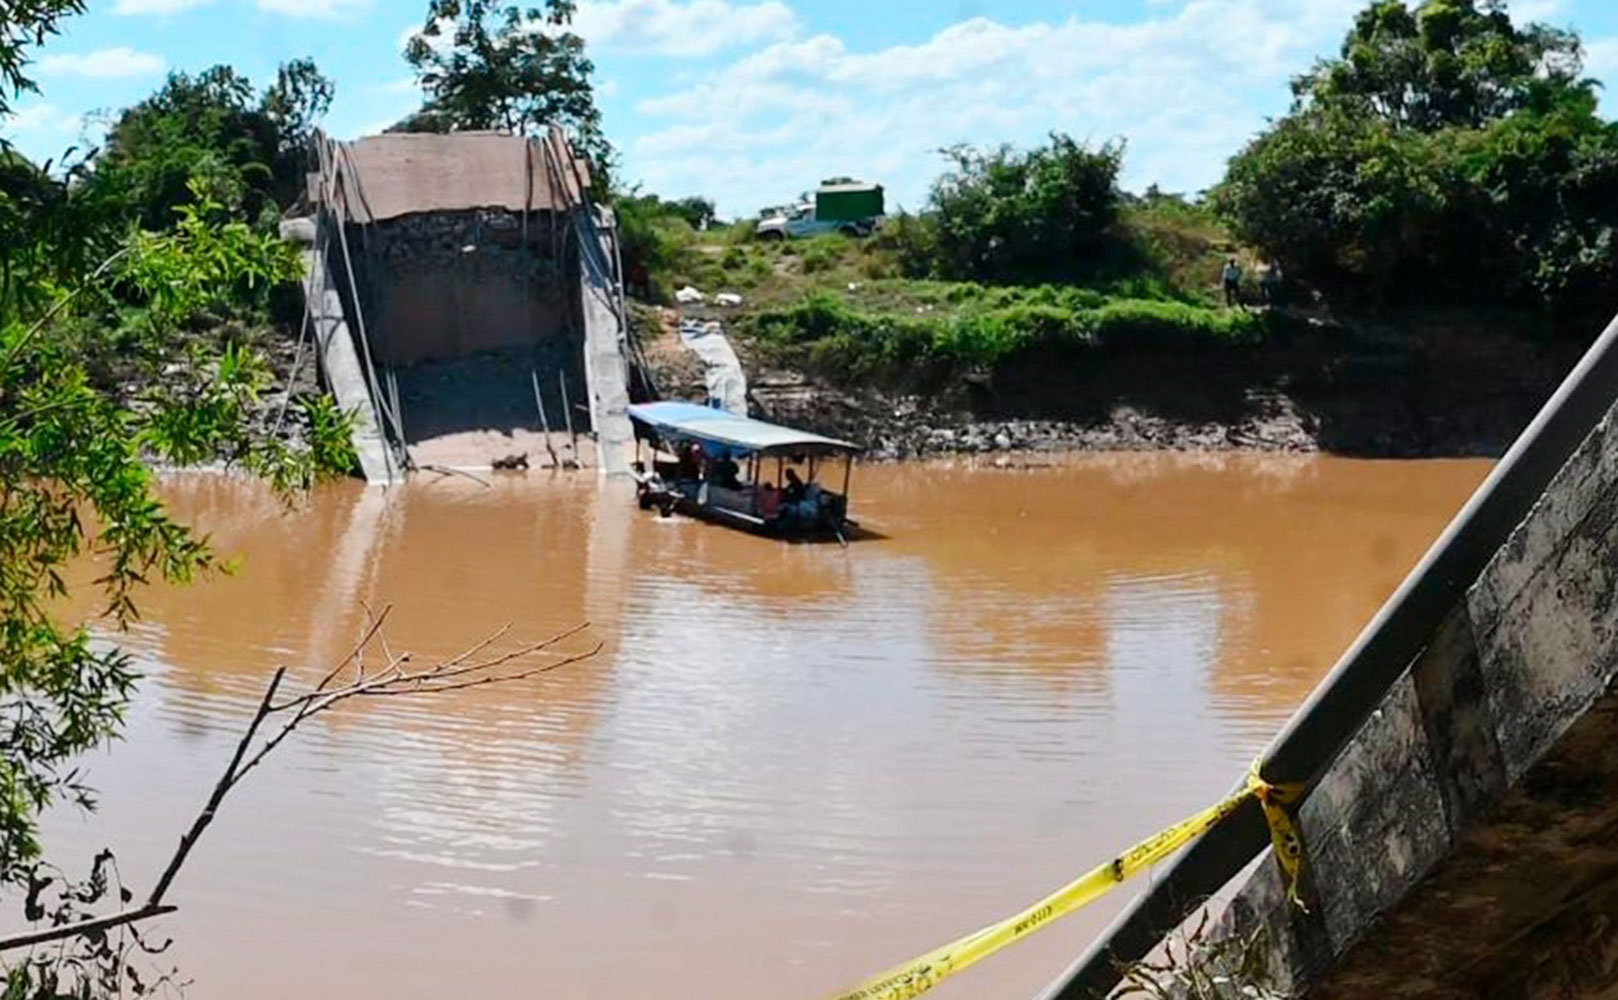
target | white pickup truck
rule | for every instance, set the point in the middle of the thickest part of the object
(852, 208)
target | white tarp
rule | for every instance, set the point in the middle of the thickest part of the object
(721, 368)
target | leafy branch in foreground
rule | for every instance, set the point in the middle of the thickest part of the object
(94, 952)
(74, 481)
(27, 23)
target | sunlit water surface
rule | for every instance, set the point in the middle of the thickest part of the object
(789, 767)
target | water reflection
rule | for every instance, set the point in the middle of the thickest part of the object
(790, 766)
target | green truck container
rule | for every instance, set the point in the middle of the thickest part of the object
(848, 202)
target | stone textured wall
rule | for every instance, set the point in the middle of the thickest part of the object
(440, 286)
(1466, 842)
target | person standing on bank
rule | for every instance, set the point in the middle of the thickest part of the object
(1269, 284)
(1233, 282)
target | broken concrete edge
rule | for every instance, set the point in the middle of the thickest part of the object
(1333, 716)
(606, 368)
(1518, 663)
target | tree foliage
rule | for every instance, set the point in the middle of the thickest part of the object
(248, 147)
(1444, 63)
(1448, 155)
(74, 473)
(485, 66)
(1018, 215)
(124, 277)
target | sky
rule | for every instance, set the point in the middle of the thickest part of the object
(751, 101)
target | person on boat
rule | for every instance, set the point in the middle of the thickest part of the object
(727, 473)
(690, 462)
(794, 490)
(768, 501)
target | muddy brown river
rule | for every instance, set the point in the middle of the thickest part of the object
(789, 767)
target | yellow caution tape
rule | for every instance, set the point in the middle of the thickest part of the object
(1274, 800)
(920, 975)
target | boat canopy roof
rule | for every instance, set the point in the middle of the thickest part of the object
(676, 422)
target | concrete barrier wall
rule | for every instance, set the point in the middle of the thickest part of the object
(448, 285)
(1464, 838)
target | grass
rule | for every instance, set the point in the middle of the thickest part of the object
(974, 328)
(841, 305)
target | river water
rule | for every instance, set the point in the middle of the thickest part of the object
(788, 768)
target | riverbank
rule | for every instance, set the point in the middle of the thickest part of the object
(1431, 385)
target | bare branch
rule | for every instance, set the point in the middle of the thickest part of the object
(458, 673)
(106, 923)
(226, 781)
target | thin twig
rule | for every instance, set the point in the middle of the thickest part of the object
(375, 626)
(223, 786)
(108, 922)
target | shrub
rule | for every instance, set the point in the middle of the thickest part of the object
(818, 256)
(992, 326)
(1015, 215)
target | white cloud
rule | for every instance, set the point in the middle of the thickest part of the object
(40, 119)
(1186, 85)
(441, 41)
(696, 28)
(660, 27)
(121, 61)
(44, 132)
(156, 6)
(403, 85)
(321, 9)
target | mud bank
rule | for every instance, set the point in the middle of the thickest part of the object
(1434, 388)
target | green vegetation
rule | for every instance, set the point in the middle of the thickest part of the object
(653, 236)
(26, 26)
(131, 313)
(248, 149)
(1018, 215)
(980, 328)
(1448, 157)
(484, 66)
(1015, 252)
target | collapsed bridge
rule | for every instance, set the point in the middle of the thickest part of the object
(466, 301)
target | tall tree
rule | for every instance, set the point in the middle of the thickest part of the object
(484, 66)
(248, 147)
(1443, 63)
(1449, 155)
(297, 101)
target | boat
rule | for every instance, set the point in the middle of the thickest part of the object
(740, 472)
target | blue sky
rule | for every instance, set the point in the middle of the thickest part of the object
(751, 101)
